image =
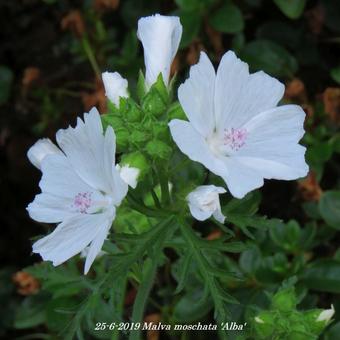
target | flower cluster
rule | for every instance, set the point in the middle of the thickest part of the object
(228, 120)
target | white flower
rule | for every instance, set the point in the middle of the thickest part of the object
(115, 86)
(235, 128)
(258, 320)
(128, 174)
(81, 189)
(204, 202)
(326, 315)
(40, 150)
(160, 36)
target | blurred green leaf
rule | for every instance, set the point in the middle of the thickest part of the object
(270, 57)
(291, 8)
(332, 333)
(227, 19)
(286, 236)
(191, 21)
(31, 313)
(6, 79)
(323, 276)
(335, 74)
(192, 306)
(329, 207)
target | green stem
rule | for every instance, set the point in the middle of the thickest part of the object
(120, 308)
(155, 199)
(164, 182)
(142, 297)
(90, 55)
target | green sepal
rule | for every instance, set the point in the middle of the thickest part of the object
(176, 112)
(284, 300)
(158, 149)
(141, 87)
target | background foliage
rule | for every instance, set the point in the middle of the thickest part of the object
(52, 54)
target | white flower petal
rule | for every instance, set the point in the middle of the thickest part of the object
(160, 36)
(40, 150)
(70, 237)
(59, 178)
(240, 96)
(204, 201)
(326, 315)
(96, 245)
(115, 86)
(272, 146)
(196, 96)
(128, 174)
(85, 149)
(50, 209)
(191, 143)
(239, 178)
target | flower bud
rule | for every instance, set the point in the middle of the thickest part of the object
(40, 150)
(264, 324)
(134, 166)
(284, 300)
(204, 201)
(115, 86)
(326, 315)
(160, 36)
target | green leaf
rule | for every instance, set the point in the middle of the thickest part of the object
(286, 236)
(59, 312)
(6, 79)
(183, 274)
(270, 57)
(247, 205)
(31, 313)
(191, 21)
(250, 260)
(227, 19)
(291, 8)
(335, 74)
(333, 332)
(323, 276)
(329, 207)
(192, 306)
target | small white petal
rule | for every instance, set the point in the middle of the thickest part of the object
(115, 86)
(128, 174)
(258, 320)
(40, 150)
(160, 36)
(204, 201)
(326, 314)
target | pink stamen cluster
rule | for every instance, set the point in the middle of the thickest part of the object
(235, 138)
(82, 201)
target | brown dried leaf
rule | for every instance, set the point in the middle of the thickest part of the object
(331, 100)
(154, 318)
(295, 89)
(315, 19)
(215, 38)
(103, 5)
(95, 98)
(193, 52)
(214, 235)
(309, 188)
(30, 75)
(26, 283)
(74, 22)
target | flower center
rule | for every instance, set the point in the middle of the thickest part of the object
(227, 142)
(82, 201)
(235, 138)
